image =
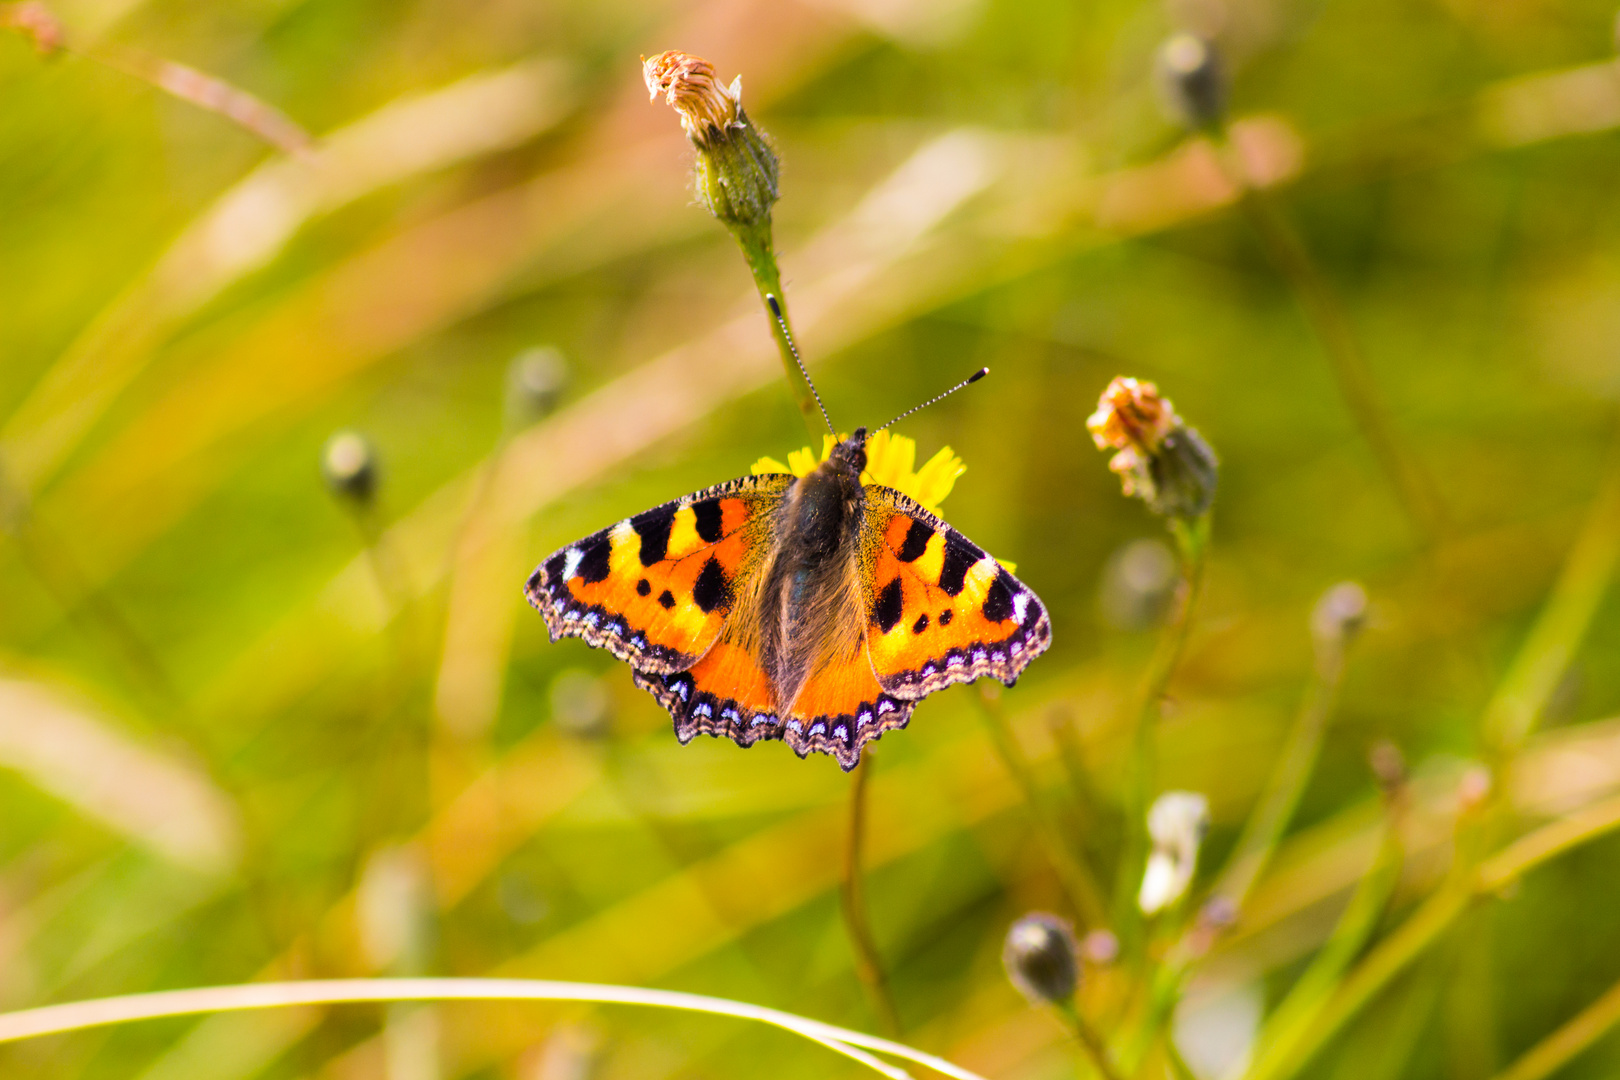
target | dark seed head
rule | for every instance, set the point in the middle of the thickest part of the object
(349, 464)
(1039, 958)
(1192, 80)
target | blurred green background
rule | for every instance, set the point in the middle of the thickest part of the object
(252, 729)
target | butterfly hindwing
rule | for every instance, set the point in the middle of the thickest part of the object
(942, 611)
(656, 589)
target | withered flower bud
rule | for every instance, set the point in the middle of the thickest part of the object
(34, 21)
(350, 466)
(1039, 958)
(1388, 766)
(1161, 460)
(534, 383)
(1192, 80)
(736, 174)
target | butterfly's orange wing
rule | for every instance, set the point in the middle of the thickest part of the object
(942, 611)
(656, 589)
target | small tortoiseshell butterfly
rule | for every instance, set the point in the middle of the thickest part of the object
(817, 610)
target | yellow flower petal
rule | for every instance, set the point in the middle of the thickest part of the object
(768, 465)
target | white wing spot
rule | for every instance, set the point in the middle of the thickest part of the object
(571, 562)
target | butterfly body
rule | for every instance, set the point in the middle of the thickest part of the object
(817, 610)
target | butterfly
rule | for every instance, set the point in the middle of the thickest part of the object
(817, 610)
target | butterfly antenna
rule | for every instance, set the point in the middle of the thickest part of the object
(787, 336)
(969, 381)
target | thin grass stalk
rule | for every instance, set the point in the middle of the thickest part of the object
(208, 92)
(1270, 817)
(1558, 1049)
(852, 902)
(1080, 886)
(1433, 917)
(1588, 570)
(1414, 487)
(80, 1015)
(1310, 994)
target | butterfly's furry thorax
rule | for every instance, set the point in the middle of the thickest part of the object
(811, 611)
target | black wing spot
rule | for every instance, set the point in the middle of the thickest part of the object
(666, 598)
(960, 554)
(593, 563)
(998, 598)
(555, 566)
(643, 587)
(946, 616)
(653, 527)
(921, 624)
(712, 589)
(916, 541)
(708, 519)
(886, 612)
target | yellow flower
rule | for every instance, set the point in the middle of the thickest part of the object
(889, 461)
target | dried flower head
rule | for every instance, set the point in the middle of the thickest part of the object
(34, 21)
(1039, 958)
(1176, 823)
(1160, 459)
(707, 106)
(1192, 80)
(736, 174)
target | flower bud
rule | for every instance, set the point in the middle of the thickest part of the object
(579, 704)
(1339, 616)
(1039, 958)
(1176, 823)
(1192, 80)
(350, 465)
(1161, 460)
(1139, 581)
(1388, 766)
(736, 174)
(534, 383)
(1100, 947)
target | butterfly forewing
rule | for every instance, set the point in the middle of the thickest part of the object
(942, 611)
(656, 589)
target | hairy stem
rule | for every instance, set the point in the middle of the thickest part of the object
(1090, 1041)
(1192, 543)
(758, 250)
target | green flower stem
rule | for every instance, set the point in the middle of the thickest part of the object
(1414, 487)
(1432, 918)
(852, 902)
(1192, 543)
(1581, 1031)
(79, 1015)
(760, 253)
(1089, 1041)
(1079, 884)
